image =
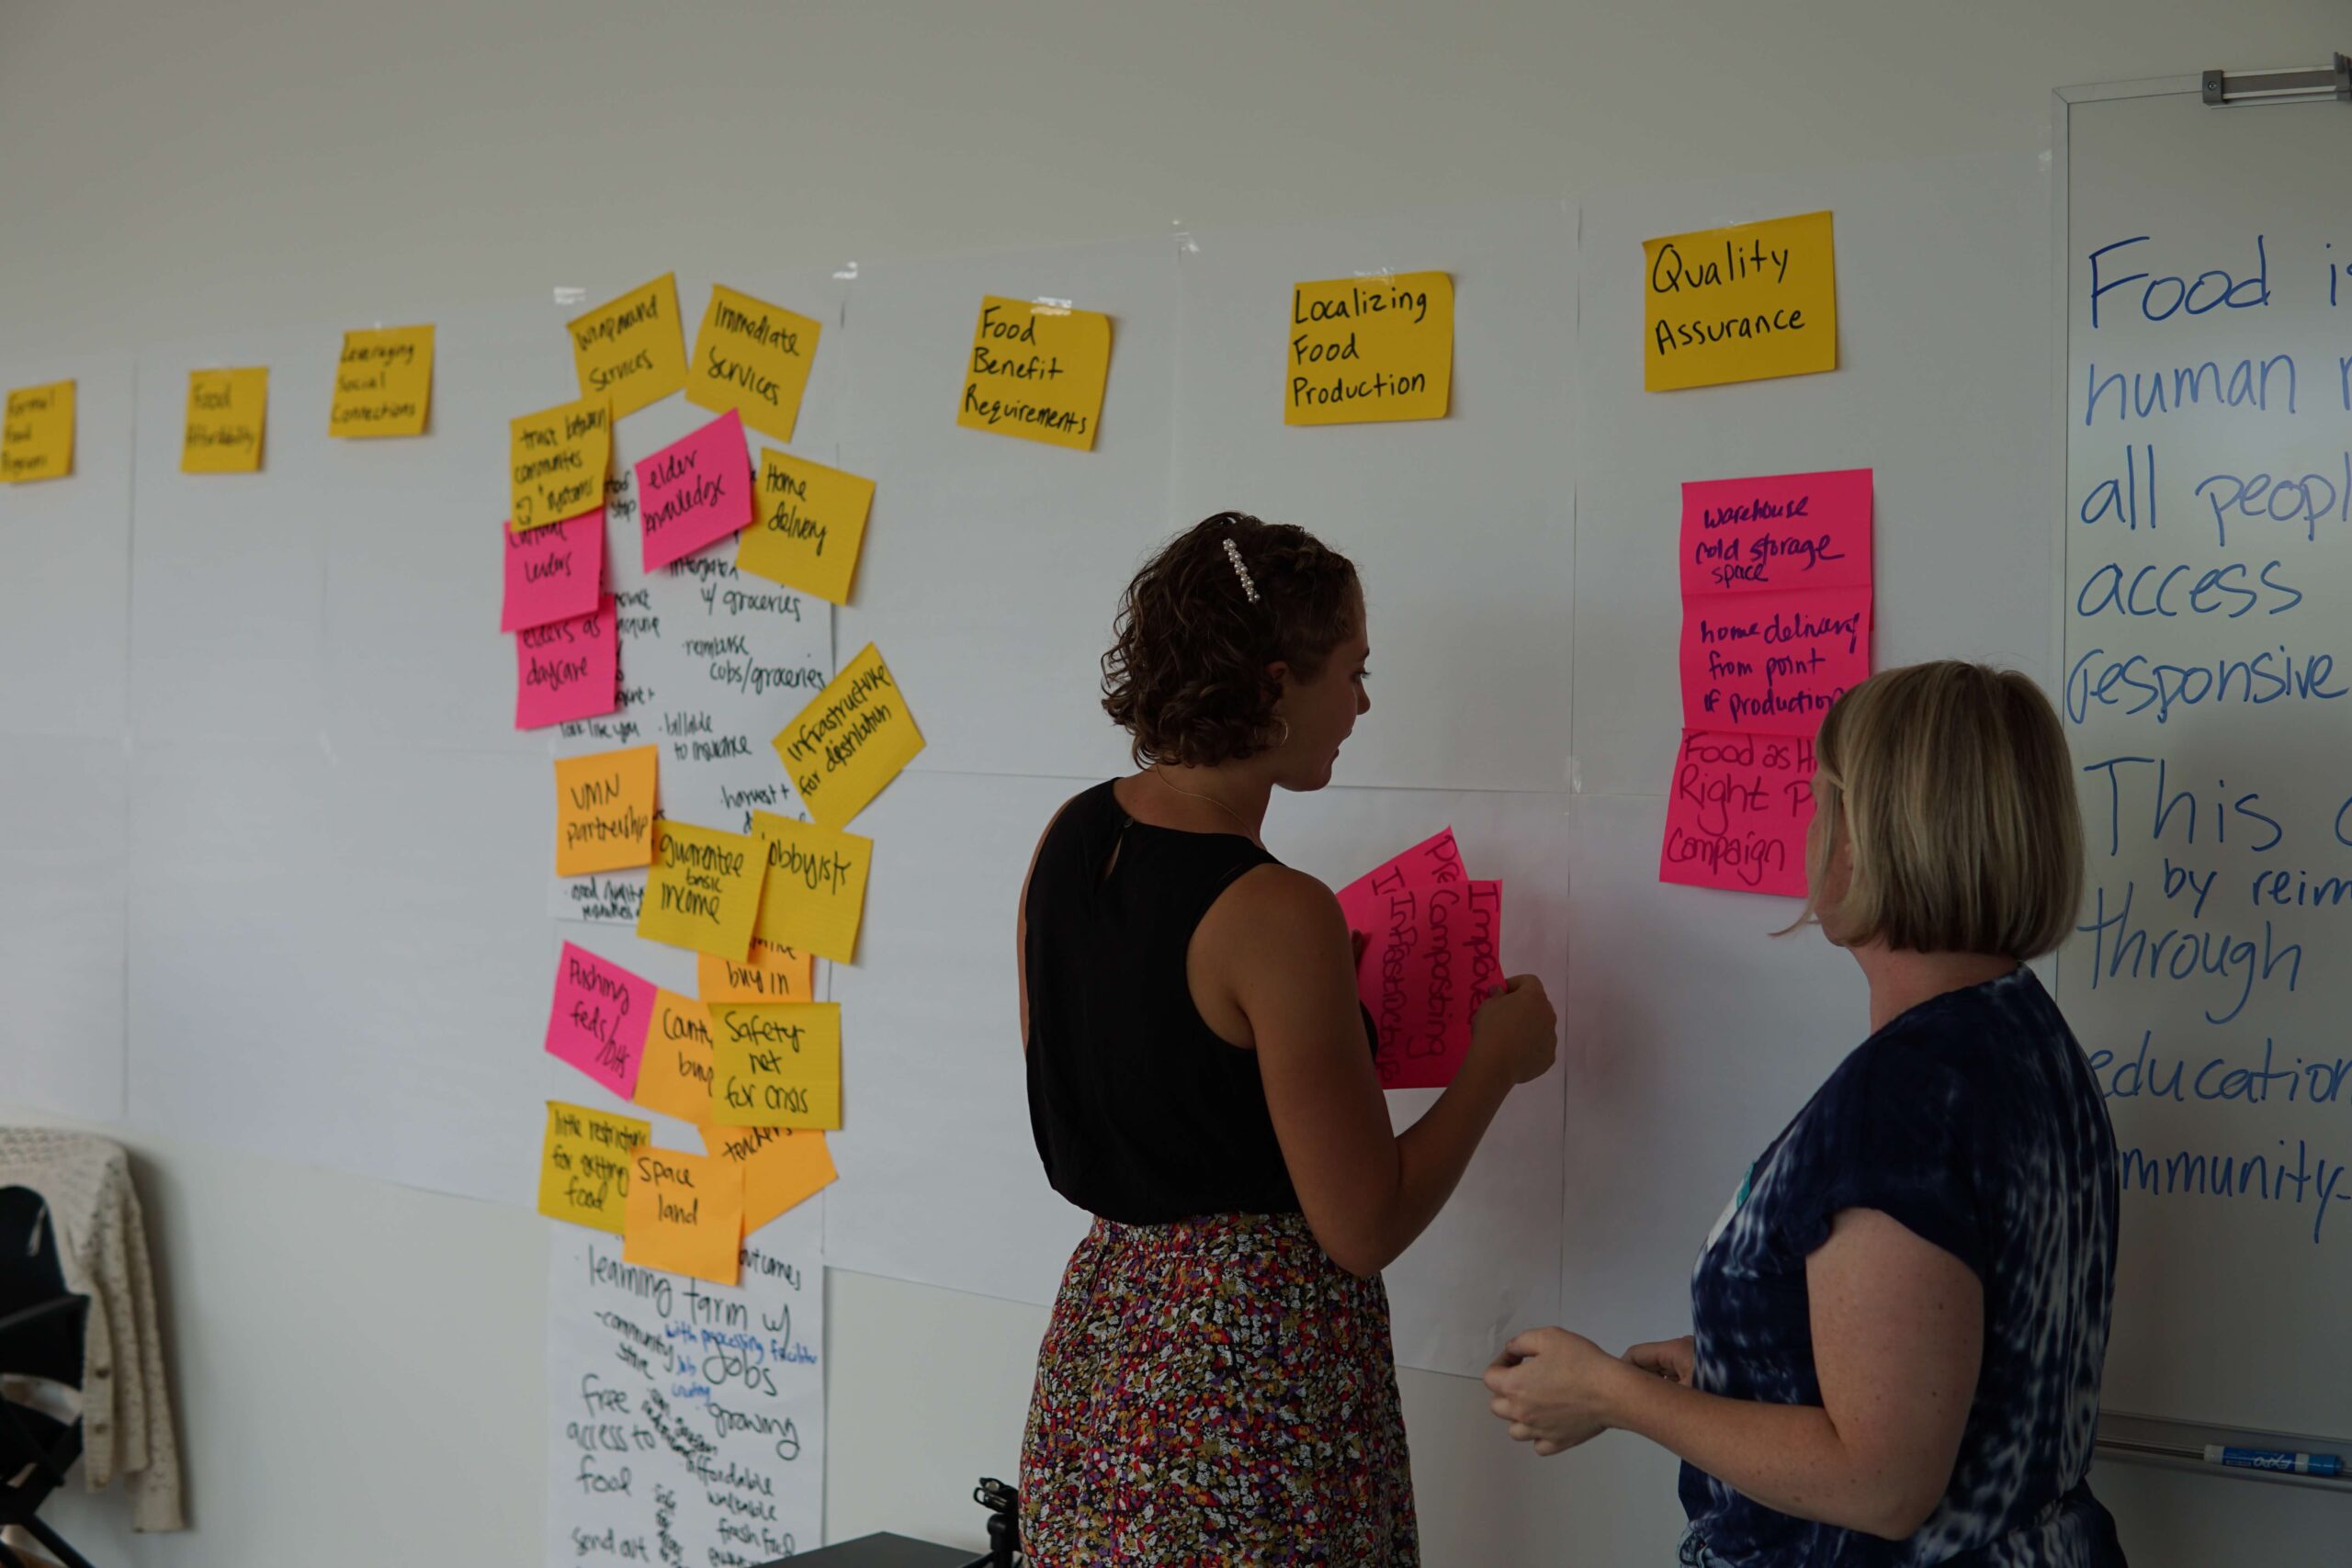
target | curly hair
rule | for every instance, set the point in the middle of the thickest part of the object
(1186, 674)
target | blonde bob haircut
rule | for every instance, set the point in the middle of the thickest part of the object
(1952, 783)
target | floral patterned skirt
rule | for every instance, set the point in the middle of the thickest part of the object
(1216, 1392)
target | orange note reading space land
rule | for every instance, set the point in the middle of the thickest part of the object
(685, 1214)
(781, 1166)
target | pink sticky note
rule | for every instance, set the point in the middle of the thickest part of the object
(599, 1018)
(1736, 812)
(1784, 531)
(553, 573)
(1435, 951)
(568, 670)
(695, 492)
(1435, 859)
(1771, 662)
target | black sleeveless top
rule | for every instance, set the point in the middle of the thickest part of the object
(1143, 1114)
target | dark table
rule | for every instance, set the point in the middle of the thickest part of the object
(884, 1551)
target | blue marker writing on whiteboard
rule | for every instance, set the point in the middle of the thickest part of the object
(2281, 1460)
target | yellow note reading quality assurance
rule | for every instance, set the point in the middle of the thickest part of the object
(685, 1214)
(816, 887)
(673, 1076)
(1740, 304)
(809, 524)
(604, 810)
(383, 384)
(557, 460)
(1362, 349)
(37, 434)
(851, 742)
(583, 1169)
(779, 1065)
(226, 409)
(1037, 371)
(781, 1166)
(754, 357)
(770, 974)
(704, 892)
(631, 349)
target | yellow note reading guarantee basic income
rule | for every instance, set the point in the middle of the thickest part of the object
(754, 357)
(583, 1165)
(1740, 304)
(704, 890)
(556, 460)
(226, 409)
(809, 524)
(631, 349)
(1365, 349)
(383, 383)
(1036, 371)
(851, 742)
(779, 1065)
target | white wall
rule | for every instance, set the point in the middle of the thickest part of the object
(359, 1364)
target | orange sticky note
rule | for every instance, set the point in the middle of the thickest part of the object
(604, 810)
(771, 973)
(781, 1166)
(685, 1214)
(673, 1075)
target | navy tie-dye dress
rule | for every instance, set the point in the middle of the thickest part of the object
(1974, 1121)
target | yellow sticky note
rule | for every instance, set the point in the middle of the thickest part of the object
(781, 1166)
(685, 1214)
(772, 974)
(1036, 371)
(37, 436)
(754, 357)
(584, 1166)
(816, 886)
(809, 524)
(704, 892)
(383, 384)
(556, 460)
(1740, 304)
(673, 1076)
(849, 743)
(777, 1063)
(1365, 349)
(604, 810)
(226, 409)
(632, 349)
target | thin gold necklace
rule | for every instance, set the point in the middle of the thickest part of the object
(1213, 800)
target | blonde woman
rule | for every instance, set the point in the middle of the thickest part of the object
(1902, 1316)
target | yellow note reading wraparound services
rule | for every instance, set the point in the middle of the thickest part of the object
(631, 349)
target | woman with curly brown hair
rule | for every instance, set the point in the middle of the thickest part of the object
(1217, 1383)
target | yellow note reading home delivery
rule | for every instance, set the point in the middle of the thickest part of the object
(37, 433)
(771, 973)
(781, 1166)
(556, 460)
(631, 349)
(778, 1065)
(1036, 371)
(383, 383)
(843, 748)
(1740, 304)
(754, 357)
(816, 887)
(685, 1214)
(704, 892)
(226, 411)
(673, 1075)
(809, 523)
(583, 1167)
(1362, 349)
(604, 810)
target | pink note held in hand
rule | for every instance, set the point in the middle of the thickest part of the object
(1736, 812)
(695, 492)
(555, 574)
(568, 670)
(1772, 662)
(1434, 952)
(599, 1018)
(1784, 531)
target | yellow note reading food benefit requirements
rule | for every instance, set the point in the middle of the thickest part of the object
(37, 433)
(685, 1214)
(631, 349)
(809, 524)
(778, 1064)
(1740, 304)
(1036, 371)
(583, 1165)
(226, 409)
(846, 746)
(816, 887)
(754, 357)
(704, 890)
(383, 383)
(781, 1166)
(556, 460)
(1365, 349)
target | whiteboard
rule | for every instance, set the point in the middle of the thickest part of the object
(2236, 1125)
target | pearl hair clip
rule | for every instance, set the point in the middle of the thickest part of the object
(1233, 554)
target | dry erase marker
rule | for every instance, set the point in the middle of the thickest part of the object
(2285, 1461)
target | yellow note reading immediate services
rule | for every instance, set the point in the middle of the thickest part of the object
(1365, 349)
(383, 384)
(771, 973)
(685, 1214)
(673, 1076)
(1036, 371)
(604, 810)
(37, 433)
(226, 409)
(777, 1065)
(816, 886)
(843, 748)
(781, 1166)
(1740, 304)
(583, 1167)
(556, 460)
(704, 892)
(809, 524)
(631, 349)
(754, 357)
